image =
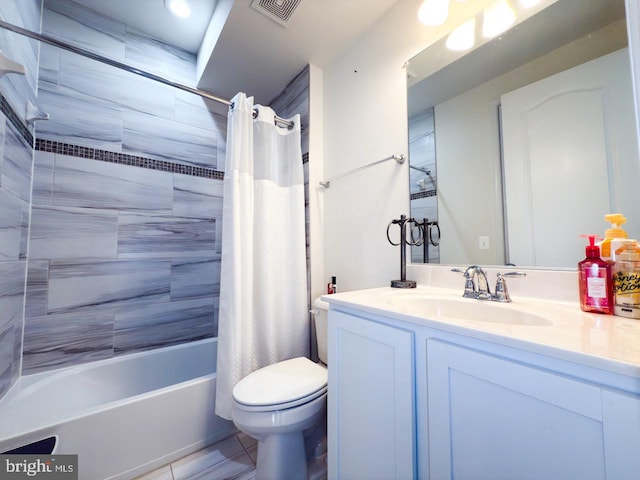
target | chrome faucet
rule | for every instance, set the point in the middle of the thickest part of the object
(476, 284)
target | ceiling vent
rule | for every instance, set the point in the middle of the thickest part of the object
(280, 11)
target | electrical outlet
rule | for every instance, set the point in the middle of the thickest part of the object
(483, 243)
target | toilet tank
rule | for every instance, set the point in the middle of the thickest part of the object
(321, 322)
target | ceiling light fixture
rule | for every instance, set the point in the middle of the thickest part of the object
(463, 37)
(497, 18)
(434, 12)
(180, 8)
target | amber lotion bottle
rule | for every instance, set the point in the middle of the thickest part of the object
(594, 276)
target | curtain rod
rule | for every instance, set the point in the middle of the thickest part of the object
(123, 66)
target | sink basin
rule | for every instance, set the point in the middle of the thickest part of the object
(437, 308)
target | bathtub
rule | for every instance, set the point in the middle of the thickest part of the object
(123, 416)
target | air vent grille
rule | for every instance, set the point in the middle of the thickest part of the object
(280, 11)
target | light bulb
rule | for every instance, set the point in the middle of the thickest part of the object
(463, 37)
(497, 18)
(434, 12)
(529, 3)
(179, 8)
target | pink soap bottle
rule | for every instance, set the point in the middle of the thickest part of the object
(594, 276)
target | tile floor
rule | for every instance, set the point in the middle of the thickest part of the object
(231, 459)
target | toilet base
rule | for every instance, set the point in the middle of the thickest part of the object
(282, 456)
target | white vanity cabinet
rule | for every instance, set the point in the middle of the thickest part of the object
(494, 418)
(371, 400)
(411, 401)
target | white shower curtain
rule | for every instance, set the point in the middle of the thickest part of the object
(263, 282)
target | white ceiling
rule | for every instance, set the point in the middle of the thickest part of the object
(253, 53)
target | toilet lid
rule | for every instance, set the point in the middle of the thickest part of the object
(281, 382)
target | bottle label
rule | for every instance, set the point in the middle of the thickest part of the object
(626, 288)
(597, 287)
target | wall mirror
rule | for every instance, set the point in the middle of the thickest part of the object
(520, 145)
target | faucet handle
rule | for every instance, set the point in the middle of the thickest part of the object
(469, 285)
(502, 293)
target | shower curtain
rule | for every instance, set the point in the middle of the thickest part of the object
(263, 315)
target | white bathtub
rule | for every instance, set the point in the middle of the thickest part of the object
(123, 416)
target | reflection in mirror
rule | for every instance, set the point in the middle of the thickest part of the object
(524, 143)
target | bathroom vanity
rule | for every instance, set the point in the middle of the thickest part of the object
(426, 384)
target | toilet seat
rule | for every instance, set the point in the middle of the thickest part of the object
(281, 385)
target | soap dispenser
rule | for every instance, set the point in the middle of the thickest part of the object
(614, 237)
(594, 277)
(626, 281)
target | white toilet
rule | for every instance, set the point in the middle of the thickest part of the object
(278, 403)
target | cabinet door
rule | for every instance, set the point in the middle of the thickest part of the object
(492, 418)
(621, 418)
(371, 419)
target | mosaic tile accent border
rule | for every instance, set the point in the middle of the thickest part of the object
(126, 159)
(108, 156)
(424, 194)
(15, 120)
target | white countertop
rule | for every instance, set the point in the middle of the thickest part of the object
(552, 328)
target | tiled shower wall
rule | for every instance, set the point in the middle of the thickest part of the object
(423, 191)
(127, 197)
(16, 159)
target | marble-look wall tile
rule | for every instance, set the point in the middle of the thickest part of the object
(200, 112)
(62, 232)
(37, 288)
(294, 99)
(72, 23)
(3, 129)
(12, 277)
(80, 182)
(197, 197)
(165, 139)
(99, 285)
(61, 341)
(159, 58)
(143, 235)
(18, 88)
(163, 287)
(49, 66)
(195, 278)
(16, 165)
(164, 324)
(99, 106)
(99, 83)
(7, 344)
(42, 186)
(90, 123)
(17, 351)
(11, 228)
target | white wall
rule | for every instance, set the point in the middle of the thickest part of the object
(365, 120)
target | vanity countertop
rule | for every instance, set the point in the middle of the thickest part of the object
(552, 328)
